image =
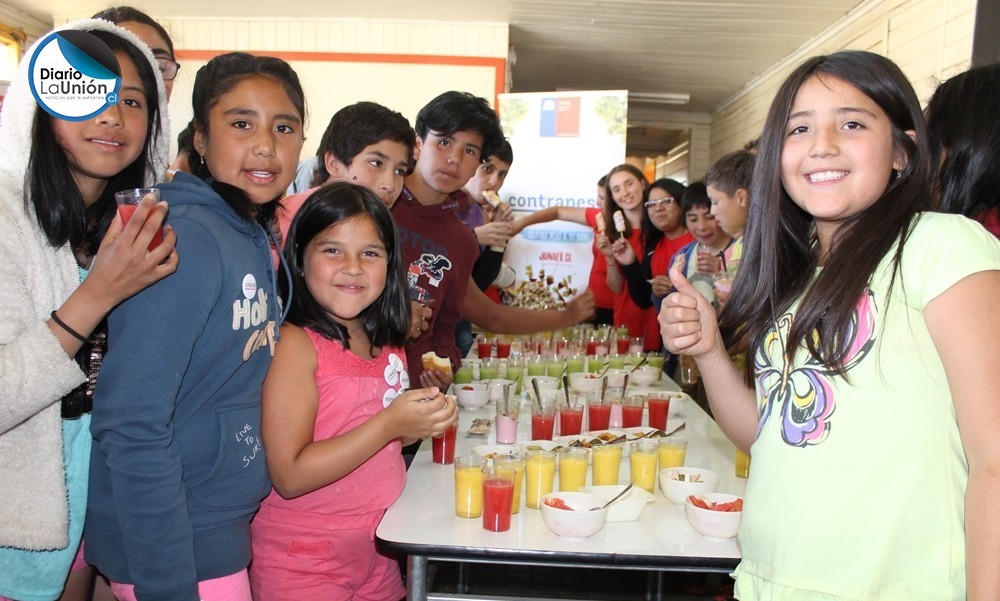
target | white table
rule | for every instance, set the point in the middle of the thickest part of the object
(422, 523)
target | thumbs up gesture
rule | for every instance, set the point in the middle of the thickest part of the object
(687, 321)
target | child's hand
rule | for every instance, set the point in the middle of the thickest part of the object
(603, 244)
(687, 321)
(423, 412)
(431, 378)
(661, 285)
(420, 315)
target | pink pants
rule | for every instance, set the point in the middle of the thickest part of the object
(235, 587)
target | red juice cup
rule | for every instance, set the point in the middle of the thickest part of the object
(632, 411)
(658, 407)
(503, 349)
(443, 447)
(484, 347)
(623, 346)
(128, 201)
(543, 419)
(498, 498)
(570, 420)
(598, 415)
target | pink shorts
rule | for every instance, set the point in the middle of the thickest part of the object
(235, 587)
(301, 562)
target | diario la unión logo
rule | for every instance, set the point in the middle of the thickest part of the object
(74, 75)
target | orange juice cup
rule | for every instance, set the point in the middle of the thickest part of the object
(742, 464)
(607, 461)
(517, 464)
(572, 468)
(539, 476)
(673, 451)
(642, 461)
(469, 486)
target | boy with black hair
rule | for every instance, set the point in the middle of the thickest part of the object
(455, 131)
(366, 144)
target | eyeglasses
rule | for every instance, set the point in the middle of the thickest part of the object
(168, 68)
(651, 203)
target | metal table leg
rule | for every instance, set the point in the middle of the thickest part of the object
(416, 578)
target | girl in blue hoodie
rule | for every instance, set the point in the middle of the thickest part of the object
(177, 469)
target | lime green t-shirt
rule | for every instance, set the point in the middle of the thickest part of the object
(857, 489)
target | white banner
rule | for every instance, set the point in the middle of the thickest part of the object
(563, 143)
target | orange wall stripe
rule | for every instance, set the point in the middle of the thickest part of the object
(499, 65)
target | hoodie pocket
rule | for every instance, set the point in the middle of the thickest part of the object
(238, 479)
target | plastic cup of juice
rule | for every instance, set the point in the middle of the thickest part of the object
(485, 347)
(573, 464)
(673, 451)
(742, 464)
(596, 363)
(575, 363)
(443, 447)
(463, 375)
(656, 360)
(128, 201)
(570, 419)
(539, 476)
(607, 461)
(503, 348)
(489, 369)
(598, 414)
(498, 498)
(515, 373)
(516, 463)
(543, 419)
(659, 405)
(469, 486)
(536, 366)
(632, 411)
(642, 461)
(616, 361)
(555, 368)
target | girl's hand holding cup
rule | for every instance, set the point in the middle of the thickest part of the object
(687, 321)
(125, 262)
(709, 263)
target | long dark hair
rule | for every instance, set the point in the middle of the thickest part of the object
(958, 124)
(217, 77)
(385, 321)
(612, 204)
(49, 186)
(778, 261)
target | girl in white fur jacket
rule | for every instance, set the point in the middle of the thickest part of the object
(65, 261)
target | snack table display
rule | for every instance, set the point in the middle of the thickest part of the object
(422, 522)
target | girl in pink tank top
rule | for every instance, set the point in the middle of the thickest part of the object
(336, 406)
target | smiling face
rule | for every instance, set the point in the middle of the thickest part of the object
(100, 148)
(704, 226)
(626, 190)
(253, 138)
(446, 163)
(345, 268)
(664, 210)
(838, 154)
(380, 167)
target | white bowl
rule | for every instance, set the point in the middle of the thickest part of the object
(577, 522)
(678, 490)
(544, 382)
(644, 375)
(625, 509)
(616, 377)
(584, 382)
(472, 395)
(496, 389)
(711, 523)
(489, 451)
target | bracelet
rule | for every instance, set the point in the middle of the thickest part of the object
(71, 331)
